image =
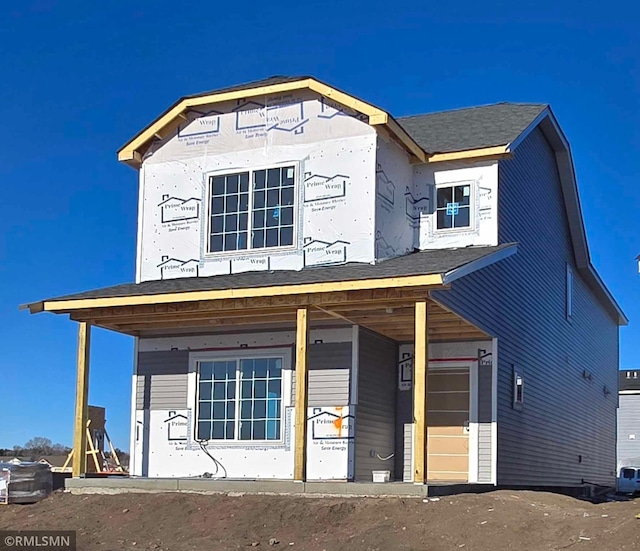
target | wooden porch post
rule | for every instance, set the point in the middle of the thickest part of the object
(82, 401)
(302, 385)
(421, 368)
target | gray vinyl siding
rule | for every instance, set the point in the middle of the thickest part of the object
(376, 408)
(162, 377)
(484, 423)
(565, 433)
(162, 380)
(629, 425)
(329, 374)
(404, 421)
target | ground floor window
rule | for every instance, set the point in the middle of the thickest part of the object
(239, 399)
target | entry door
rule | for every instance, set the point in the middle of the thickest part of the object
(448, 401)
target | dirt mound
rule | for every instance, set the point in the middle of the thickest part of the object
(494, 521)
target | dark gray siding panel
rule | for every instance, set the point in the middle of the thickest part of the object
(162, 379)
(629, 428)
(566, 431)
(484, 423)
(376, 408)
(329, 374)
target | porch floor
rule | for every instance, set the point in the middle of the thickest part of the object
(118, 485)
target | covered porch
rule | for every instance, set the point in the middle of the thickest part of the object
(399, 310)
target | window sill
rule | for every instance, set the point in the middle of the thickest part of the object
(243, 253)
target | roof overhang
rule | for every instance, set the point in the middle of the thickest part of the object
(475, 258)
(65, 306)
(133, 151)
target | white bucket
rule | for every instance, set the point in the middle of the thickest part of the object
(381, 476)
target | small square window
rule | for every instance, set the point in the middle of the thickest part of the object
(453, 206)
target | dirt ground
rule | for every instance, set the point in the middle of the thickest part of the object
(494, 521)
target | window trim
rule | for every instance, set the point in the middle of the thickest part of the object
(207, 253)
(238, 354)
(472, 207)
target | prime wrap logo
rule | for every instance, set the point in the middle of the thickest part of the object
(19, 540)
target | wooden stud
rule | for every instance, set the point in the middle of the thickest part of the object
(301, 401)
(496, 151)
(82, 400)
(421, 366)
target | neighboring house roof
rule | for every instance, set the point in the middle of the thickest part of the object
(629, 380)
(472, 128)
(450, 263)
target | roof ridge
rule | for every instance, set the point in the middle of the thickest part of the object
(471, 108)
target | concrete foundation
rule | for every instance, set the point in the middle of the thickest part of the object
(119, 485)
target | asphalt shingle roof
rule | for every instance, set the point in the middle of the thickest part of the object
(471, 128)
(419, 263)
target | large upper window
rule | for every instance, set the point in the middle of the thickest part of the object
(453, 206)
(239, 399)
(252, 210)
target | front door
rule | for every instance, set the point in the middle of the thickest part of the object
(448, 400)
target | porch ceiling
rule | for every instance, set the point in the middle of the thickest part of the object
(390, 312)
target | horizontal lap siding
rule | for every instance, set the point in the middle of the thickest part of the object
(162, 380)
(484, 423)
(629, 425)
(375, 411)
(329, 374)
(566, 431)
(162, 377)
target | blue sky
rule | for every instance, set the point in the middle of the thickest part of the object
(78, 81)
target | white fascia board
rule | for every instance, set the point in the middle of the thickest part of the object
(475, 265)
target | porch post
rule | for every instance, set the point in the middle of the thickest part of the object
(302, 384)
(82, 401)
(421, 367)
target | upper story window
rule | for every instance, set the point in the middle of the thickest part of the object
(254, 209)
(453, 205)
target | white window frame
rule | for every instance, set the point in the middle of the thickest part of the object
(472, 206)
(237, 355)
(569, 293)
(251, 251)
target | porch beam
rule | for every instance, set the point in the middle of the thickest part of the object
(421, 363)
(301, 401)
(338, 301)
(82, 401)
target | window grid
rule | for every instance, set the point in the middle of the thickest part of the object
(229, 212)
(217, 391)
(272, 207)
(240, 400)
(252, 210)
(453, 206)
(260, 398)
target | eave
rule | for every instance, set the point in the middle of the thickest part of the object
(133, 151)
